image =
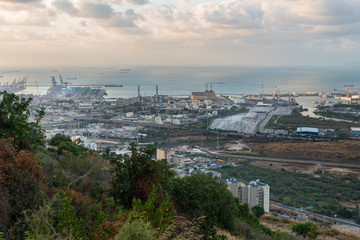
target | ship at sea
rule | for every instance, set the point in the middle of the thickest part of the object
(63, 90)
(15, 86)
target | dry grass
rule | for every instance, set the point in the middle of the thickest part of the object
(228, 235)
(187, 229)
(335, 151)
(326, 232)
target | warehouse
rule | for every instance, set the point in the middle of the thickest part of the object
(307, 131)
(355, 131)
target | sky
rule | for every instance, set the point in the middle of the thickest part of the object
(108, 33)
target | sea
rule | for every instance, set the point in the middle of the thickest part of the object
(181, 81)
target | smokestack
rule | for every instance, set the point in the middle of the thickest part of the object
(139, 96)
(157, 93)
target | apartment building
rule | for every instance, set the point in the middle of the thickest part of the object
(253, 193)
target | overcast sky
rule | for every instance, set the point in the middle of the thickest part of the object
(46, 33)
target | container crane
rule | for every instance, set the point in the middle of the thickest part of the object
(348, 93)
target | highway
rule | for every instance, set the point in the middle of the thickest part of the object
(286, 160)
(336, 220)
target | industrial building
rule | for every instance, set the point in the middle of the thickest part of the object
(253, 193)
(355, 131)
(307, 131)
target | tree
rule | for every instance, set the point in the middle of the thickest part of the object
(59, 138)
(136, 230)
(160, 215)
(20, 187)
(258, 211)
(69, 147)
(205, 195)
(135, 175)
(15, 123)
(308, 230)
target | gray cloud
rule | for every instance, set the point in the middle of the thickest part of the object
(96, 10)
(133, 2)
(131, 14)
(137, 2)
(65, 6)
(21, 1)
(235, 14)
(120, 21)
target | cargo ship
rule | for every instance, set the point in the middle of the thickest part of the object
(15, 86)
(63, 90)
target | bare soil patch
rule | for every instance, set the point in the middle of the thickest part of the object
(237, 147)
(334, 151)
(307, 169)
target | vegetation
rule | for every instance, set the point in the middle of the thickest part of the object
(59, 138)
(192, 195)
(75, 193)
(298, 120)
(323, 193)
(21, 178)
(331, 114)
(308, 230)
(135, 175)
(15, 122)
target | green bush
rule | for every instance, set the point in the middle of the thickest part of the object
(59, 138)
(136, 230)
(332, 232)
(258, 211)
(308, 230)
(204, 195)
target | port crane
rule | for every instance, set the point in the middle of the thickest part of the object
(65, 84)
(275, 92)
(348, 93)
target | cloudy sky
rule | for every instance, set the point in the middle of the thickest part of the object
(46, 33)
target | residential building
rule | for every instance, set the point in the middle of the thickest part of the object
(253, 193)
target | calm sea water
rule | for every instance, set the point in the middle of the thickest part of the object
(184, 80)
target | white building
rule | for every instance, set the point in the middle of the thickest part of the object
(85, 142)
(253, 193)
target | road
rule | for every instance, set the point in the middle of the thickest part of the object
(336, 220)
(287, 160)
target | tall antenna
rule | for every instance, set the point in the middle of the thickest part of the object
(322, 165)
(139, 96)
(37, 87)
(157, 94)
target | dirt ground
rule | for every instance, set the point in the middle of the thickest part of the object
(335, 151)
(237, 147)
(187, 138)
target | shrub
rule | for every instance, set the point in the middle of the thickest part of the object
(308, 230)
(258, 211)
(332, 232)
(59, 138)
(136, 230)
